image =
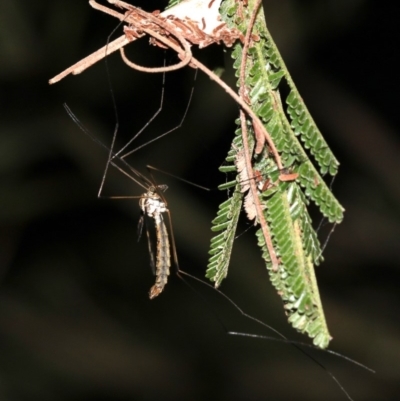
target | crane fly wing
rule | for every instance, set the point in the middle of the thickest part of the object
(153, 206)
(144, 221)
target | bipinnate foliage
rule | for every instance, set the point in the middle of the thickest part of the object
(284, 201)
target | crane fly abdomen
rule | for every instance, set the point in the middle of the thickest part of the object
(163, 260)
(153, 206)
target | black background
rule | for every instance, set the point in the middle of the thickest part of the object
(75, 319)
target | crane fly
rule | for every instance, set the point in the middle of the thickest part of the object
(152, 204)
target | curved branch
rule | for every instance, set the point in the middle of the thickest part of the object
(258, 125)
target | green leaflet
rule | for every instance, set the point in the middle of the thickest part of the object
(221, 245)
(298, 287)
(298, 211)
(303, 124)
(226, 221)
(301, 121)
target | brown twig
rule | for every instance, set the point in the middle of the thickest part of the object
(140, 20)
(261, 135)
(247, 154)
(93, 58)
(215, 32)
(117, 44)
(157, 21)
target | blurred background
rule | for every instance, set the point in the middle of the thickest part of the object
(75, 319)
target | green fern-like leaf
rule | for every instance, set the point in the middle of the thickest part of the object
(294, 239)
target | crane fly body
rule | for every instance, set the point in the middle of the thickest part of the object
(153, 205)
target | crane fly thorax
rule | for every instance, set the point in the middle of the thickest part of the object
(152, 204)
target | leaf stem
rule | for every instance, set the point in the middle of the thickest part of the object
(247, 156)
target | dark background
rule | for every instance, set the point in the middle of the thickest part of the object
(75, 319)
